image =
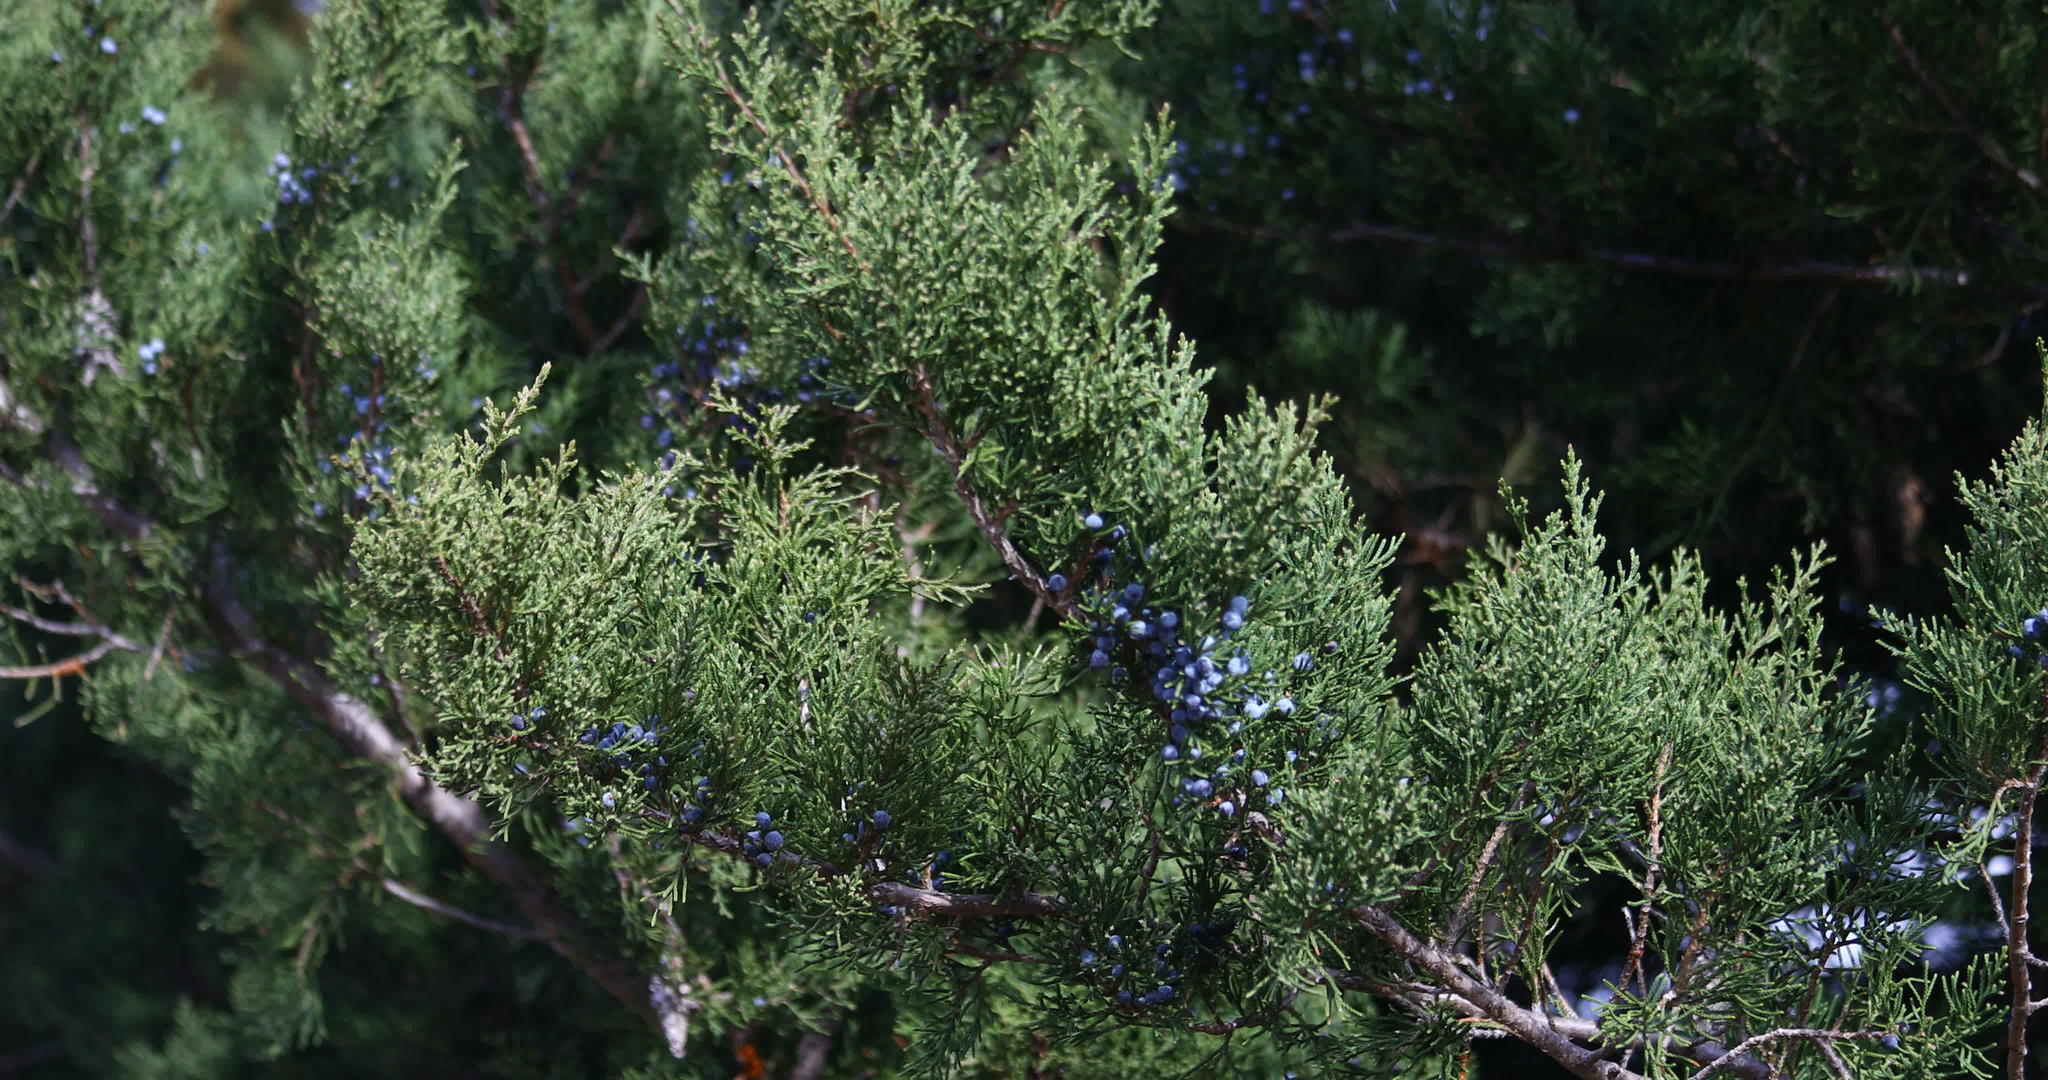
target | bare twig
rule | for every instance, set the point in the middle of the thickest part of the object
(449, 911)
(1821, 1035)
(942, 439)
(1655, 811)
(57, 669)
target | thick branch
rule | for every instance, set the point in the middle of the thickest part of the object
(1531, 1027)
(929, 903)
(458, 818)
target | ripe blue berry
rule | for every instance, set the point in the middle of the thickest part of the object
(1233, 621)
(1098, 659)
(1260, 777)
(1304, 662)
(764, 860)
(1087, 956)
(1092, 521)
(519, 723)
(881, 819)
(1057, 583)
(771, 840)
(1169, 752)
(2033, 628)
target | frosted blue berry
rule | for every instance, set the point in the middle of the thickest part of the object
(1284, 705)
(1116, 971)
(1133, 593)
(1233, 621)
(881, 819)
(771, 840)
(109, 46)
(1226, 808)
(764, 860)
(1304, 662)
(609, 800)
(519, 723)
(1123, 997)
(1092, 521)
(1260, 777)
(1169, 752)
(1239, 665)
(763, 819)
(1198, 787)
(2033, 628)
(1057, 583)
(1088, 956)
(1098, 659)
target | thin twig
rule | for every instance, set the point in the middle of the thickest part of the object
(943, 440)
(421, 900)
(1655, 810)
(70, 665)
(1745, 1046)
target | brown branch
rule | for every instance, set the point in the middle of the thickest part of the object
(460, 819)
(1820, 1035)
(753, 119)
(2018, 949)
(57, 669)
(942, 439)
(1485, 861)
(932, 903)
(1984, 144)
(1639, 940)
(1418, 999)
(449, 911)
(1529, 1026)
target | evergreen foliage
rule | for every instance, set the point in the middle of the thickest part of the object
(654, 540)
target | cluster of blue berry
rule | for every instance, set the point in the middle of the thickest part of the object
(1199, 687)
(2033, 632)
(635, 745)
(1193, 948)
(762, 842)
(148, 354)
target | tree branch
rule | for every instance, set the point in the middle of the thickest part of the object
(1530, 1027)
(2018, 948)
(942, 439)
(1820, 1035)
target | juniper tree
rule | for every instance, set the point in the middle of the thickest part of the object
(899, 671)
